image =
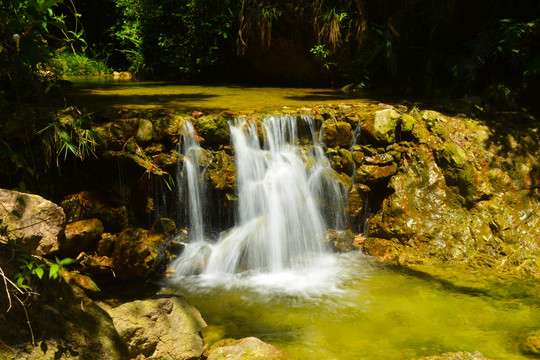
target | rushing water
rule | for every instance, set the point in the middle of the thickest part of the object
(280, 224)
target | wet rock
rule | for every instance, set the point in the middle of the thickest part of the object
(222, 171)
(213, 129)
(166, 160)
(85, 282)
(380, 126)
(105, 246)
(347, 162)
(407, 123)
(370, 174)
(244, 349)
(144, 132)
(356, 203)
(337, 133)
(81, 236)
(34, 222)
(379, 159)
(162, 327)
(168, 128)
(381, 248)
(85, 205)
(116, 134)
(358, 157)
(460, 171)
(461, 355)
(97, 265)
(136, 253)
(531, 344)
(340, 240)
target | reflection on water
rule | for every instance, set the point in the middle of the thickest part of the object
(107, 92)
(364, 311)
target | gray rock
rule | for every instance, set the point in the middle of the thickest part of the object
(31, 220)
(164, 327)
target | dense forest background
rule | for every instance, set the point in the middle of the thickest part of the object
(457, 47)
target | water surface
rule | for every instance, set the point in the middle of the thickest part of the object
(352, 308)
(107, 92)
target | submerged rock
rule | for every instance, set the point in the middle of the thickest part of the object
(531, 345)
(248, 348)
(461, 355)
(34, 222)
(165, 327)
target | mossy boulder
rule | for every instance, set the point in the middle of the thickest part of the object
(213, 129)
(371, 174)
(337, 133)
(144, 131)
(459, 170)
(222, 171)
(136, 253)
(381, 125)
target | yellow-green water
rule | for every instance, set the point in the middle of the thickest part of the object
(374, 312)
(106, 92)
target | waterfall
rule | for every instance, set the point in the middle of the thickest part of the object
(284, 181)
(191, 184)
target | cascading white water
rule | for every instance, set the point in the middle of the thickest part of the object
(191, 185)
(280, 218)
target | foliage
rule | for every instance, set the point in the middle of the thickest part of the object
(29, 32)
(76, 64)
(171, 38)
(69, 133)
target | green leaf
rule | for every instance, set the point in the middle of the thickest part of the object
(20, 200)
(66, 261)
(53, 271)
(16, 213)
(39, 272)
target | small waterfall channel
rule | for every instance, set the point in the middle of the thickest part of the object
(288, 198)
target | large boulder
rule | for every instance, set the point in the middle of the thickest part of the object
(65, 324)
(136, 253)
(248, 348)
(213, 129)
(36, 223)
(163, 327)
(381, 125)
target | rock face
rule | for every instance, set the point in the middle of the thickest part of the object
(166, 327)
(32, 221)
(248, 348)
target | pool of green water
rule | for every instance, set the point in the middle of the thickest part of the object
(370, 312)
(107, 92)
